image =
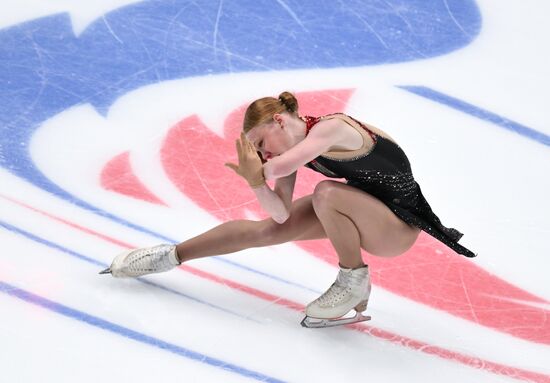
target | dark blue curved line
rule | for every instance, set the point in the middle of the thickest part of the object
(50, 244)
(170, 240)
(55, 246)
(129, 333)
(478, 112)
(46, 69)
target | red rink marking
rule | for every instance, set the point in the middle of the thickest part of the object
(467, 360)
(427, 348)
(69, 223)
(429, 273)
(117, 175)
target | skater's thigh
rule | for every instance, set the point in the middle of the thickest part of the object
(381, 232)
(302, 224)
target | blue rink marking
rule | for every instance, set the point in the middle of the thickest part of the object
(478, 112)
(128, 333)
(270, 276)
(55, 246)
(46, 69)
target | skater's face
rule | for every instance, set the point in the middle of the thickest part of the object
(273, 138)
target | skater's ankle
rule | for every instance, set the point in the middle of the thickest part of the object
(175, 258)
(352, 266)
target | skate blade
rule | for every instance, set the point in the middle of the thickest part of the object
(311, 322)
(106, 271)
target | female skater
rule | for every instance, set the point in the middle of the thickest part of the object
(379, 209)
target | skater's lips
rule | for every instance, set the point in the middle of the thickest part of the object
(269, 156)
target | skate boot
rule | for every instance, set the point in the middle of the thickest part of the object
(351, 290)
(148, 260)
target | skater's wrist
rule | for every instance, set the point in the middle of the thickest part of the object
(271, 203)
(258, 183)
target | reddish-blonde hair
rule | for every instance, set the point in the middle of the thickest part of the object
(263, 109)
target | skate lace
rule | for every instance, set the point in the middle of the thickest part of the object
(338, 290)
(146, 259)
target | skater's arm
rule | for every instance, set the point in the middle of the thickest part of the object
(320, 140)
(284, 187)
(272, 203)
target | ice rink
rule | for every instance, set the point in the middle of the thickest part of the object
(116, 119)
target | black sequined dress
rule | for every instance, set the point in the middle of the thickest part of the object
(385, 172)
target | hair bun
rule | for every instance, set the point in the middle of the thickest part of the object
(289, 102)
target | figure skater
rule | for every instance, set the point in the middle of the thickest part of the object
(380, 208)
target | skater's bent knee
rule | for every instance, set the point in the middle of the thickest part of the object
(324, 192)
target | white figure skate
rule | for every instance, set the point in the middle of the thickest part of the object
(351, 290)
(138, 262)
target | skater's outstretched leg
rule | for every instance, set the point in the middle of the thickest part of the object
(233, 236)
(228, 237)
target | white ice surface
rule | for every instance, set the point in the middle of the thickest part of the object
(507, 190)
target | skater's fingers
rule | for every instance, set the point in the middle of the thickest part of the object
(245, 143)
(251, 146)
(239, 150)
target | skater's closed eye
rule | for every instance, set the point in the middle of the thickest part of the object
(259, 144)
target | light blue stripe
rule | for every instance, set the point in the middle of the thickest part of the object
(45, 242)
(55, 246)
(128, 333)
(275, 278)
(478, 112)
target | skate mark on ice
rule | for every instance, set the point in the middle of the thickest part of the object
(118, 176)
(496, 368)
(129, 246)
(126, 332)
(466, 292)
(478, 112)
(94, 262)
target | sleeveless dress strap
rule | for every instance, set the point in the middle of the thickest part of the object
(370, 132)
(311, 121)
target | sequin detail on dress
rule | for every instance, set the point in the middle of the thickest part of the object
(385, 172)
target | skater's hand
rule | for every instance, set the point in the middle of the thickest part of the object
(250, 164)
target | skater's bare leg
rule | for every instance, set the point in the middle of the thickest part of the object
(237, 235)
(353, 219)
